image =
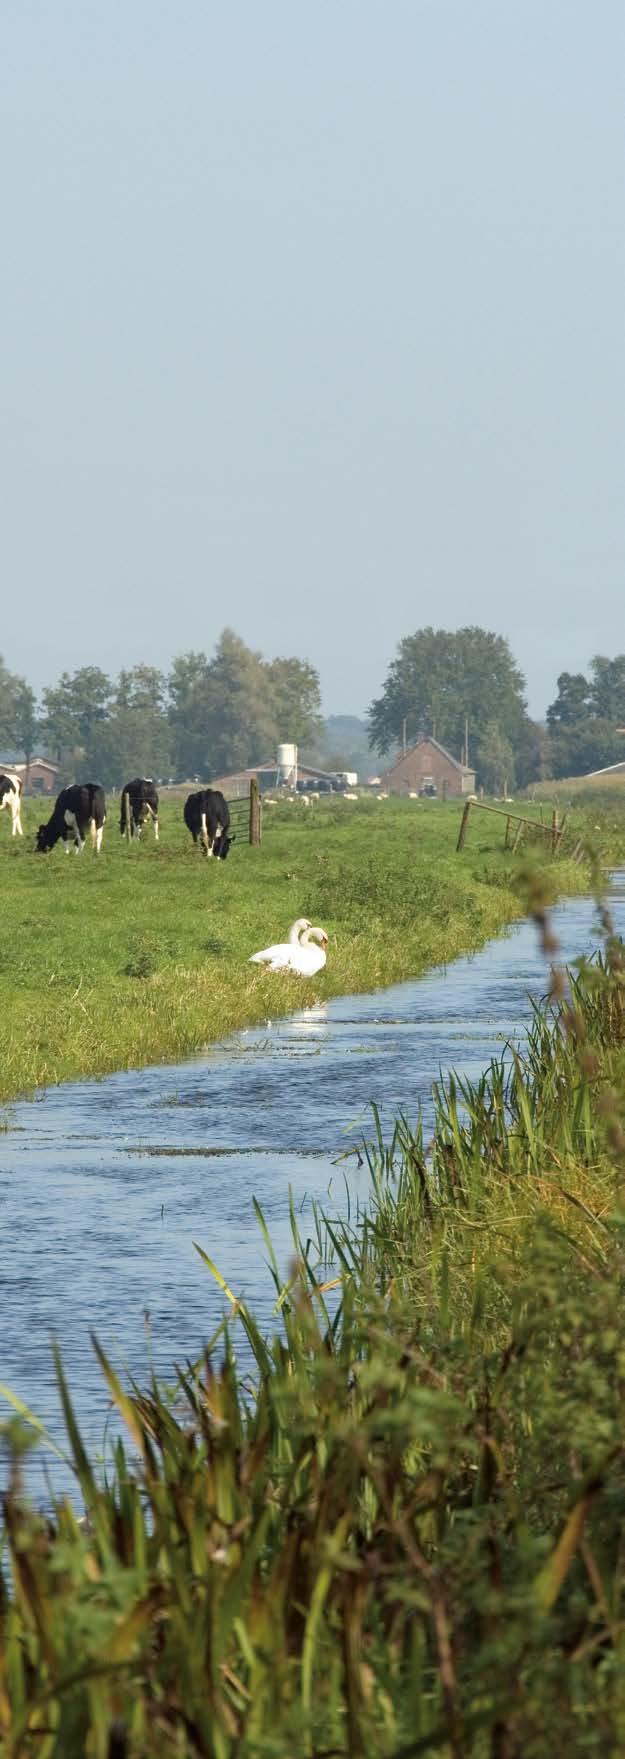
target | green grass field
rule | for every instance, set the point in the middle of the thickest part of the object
(141, 954)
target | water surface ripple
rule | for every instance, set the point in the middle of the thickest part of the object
(104, 1185)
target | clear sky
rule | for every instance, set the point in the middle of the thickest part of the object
(312, 325)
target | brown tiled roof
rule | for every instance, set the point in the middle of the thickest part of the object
(427, 739)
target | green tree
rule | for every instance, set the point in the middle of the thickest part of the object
(440, 678)
(607, 688)
(74, 708)
(590, 745)
(188, 690)
(295, 699)
(532, 753)
(230, 711)
(18, 719)
(25, 721)
(143, 688)
(135, 737)
(7, 703)
(495, 760)
(220, 710)
(572, 703)
(240, 722)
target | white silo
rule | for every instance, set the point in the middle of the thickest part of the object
(286, 768)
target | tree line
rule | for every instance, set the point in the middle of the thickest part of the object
(203, 717)
(207, 716)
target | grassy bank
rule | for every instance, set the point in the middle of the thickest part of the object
(605, 790)
(142, 955)
(410, 1538)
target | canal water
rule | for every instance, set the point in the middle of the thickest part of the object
(105, 1185)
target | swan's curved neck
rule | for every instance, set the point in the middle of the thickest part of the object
(298, 931)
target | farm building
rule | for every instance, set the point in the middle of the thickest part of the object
(238, 784)
(40, 776)
(427, 768)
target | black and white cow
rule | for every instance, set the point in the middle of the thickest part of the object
(142, 798)
(11, 797)
(77, 810)
(207, 817)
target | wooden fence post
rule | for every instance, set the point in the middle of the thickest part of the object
(507, 837)
(555, 829)
(463, 827)
(256, 830)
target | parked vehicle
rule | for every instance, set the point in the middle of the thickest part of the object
(313, 786)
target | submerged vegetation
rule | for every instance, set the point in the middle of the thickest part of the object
(141, 954)
(404, 1534)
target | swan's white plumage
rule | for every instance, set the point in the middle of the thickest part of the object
(296, 953)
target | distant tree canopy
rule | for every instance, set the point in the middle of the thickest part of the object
(232, 711)
(585, 718)
(204, 717)
(441, 678)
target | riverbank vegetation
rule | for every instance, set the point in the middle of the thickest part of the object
(405, 1533)
(141, 954)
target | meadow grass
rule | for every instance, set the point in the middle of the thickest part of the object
(603, 789)
(141, 954)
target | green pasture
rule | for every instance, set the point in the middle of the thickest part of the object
(141, 954)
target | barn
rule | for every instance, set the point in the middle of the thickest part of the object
(428, 768)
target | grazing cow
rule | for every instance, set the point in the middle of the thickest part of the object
(142, 799)
(207, 817)
(11, 797)
(77, 810)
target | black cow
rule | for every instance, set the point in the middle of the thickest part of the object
(142, 799)
(11, 797)
(77, 810)
(207, 817)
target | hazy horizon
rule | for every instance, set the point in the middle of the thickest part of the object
(313, 328)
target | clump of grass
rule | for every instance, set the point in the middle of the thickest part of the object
(141, 964)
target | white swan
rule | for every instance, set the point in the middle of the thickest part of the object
(296, 953)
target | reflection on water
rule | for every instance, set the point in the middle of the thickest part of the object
(104, 1186)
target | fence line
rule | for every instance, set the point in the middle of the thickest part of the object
(554, 831)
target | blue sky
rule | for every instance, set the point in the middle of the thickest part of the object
(313, 325)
